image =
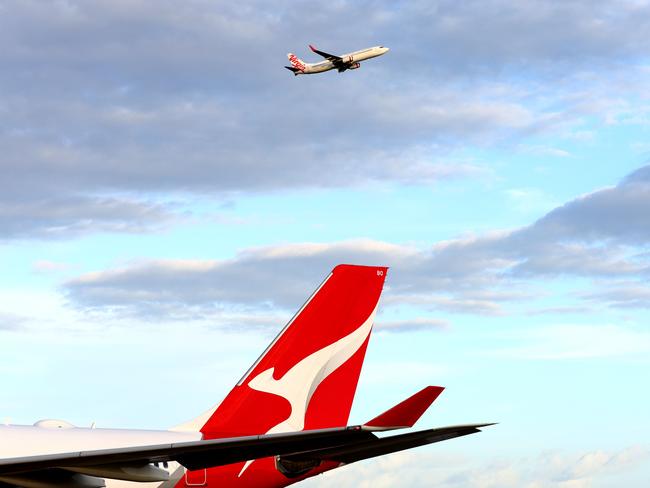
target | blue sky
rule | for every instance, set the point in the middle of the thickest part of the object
(170, 195)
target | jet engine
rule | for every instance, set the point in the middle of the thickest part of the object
(354, 66)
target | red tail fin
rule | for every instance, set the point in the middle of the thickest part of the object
(296, 62)
(307, 377)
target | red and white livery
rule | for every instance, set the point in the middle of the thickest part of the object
(284, 421)
(332, 61)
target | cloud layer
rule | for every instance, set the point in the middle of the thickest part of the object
(111, 101)
(599, 236)
(551, 469)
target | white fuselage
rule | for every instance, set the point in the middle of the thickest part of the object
(18, 441)
(354, 57)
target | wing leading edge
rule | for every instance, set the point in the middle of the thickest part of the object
(331, 57)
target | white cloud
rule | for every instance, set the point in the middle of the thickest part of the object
(599, 236)
(552, 469)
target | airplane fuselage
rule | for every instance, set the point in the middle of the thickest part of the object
(351, 59)
(56, 437)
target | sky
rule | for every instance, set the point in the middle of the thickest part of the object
(170, 195)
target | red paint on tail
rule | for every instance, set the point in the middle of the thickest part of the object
(306, 379)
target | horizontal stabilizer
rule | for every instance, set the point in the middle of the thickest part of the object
(292, 69)
(408, 412)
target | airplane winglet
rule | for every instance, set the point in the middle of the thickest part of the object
(406, 413)
(312, 48)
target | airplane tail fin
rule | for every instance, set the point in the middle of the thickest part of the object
(307, 377)
(296, 62)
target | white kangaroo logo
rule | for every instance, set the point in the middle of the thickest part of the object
(299, 383)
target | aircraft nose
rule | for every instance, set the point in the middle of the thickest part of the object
(386, 49)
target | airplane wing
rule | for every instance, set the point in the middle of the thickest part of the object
(331, 57)
(373, 447)
(194, 454)
(339, 63)
(303, 449)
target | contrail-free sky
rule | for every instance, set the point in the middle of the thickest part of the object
(170, 195)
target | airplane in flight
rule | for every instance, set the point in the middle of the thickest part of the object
(284, 421)
(340, 63)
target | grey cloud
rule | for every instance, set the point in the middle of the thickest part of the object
(134, 98)
(598, 234)
(630, 295)
(621, 213)
(199, 38)
(276, 277)
(11, 322)
(484, 36)
(451, 300)
(641, 175)
(560, 311)
(470, 275)
(416, 324)
(589, 236)
(66, 217)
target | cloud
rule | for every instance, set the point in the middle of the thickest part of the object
(137, 42)
(276, 277)
(641, 175)
(103, 98)
(478, 36)
(624, 295)
(619, 214)
(281, 277)
(66, 217)
(575, 310)
(411, 325)
(447, 300)
(595, 236)
(12, 322)
(552, 469)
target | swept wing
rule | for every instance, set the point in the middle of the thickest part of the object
(293, 451)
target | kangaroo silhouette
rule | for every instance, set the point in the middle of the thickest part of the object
(298, 385)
